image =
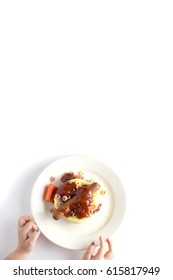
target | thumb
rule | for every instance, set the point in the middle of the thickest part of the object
(89, 252)
(33, 237)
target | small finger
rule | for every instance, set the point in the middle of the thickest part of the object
(102, 249)
(89, 252)
(23, 220)
(109, 253)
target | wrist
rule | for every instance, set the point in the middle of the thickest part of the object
(20, 254)
(17, 255)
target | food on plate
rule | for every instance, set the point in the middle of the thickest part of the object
(75, 198)
(50, 192)
(103, 192)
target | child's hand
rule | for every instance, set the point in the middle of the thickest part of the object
(102, 253)
(28, 234)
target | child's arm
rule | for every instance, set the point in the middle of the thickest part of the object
(15, 255)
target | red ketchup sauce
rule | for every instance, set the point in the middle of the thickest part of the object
(83, 206)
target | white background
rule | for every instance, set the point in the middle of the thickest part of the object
(89, 78)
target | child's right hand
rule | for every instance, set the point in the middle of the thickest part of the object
(102, 253)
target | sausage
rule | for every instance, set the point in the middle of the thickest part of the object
(94, 187)
(58, 213)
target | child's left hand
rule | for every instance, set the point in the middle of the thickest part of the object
(28, 234)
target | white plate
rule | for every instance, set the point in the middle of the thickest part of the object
(105, 222)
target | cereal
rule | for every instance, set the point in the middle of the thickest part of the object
(52, 179)
(103, 192)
